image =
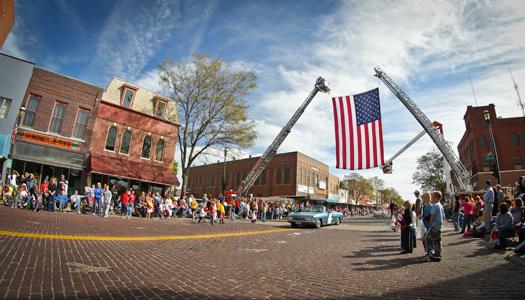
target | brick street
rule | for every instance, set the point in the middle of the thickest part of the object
(329, 263)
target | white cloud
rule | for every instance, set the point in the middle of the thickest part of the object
(428, 47)
(135, 33)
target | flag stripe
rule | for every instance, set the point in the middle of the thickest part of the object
(374, 140)
(336, 124)
(366, 127)
(344, 140)
(381, 141)
(351, 139)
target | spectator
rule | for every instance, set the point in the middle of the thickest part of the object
(455, 212)
(124, 200)
(408, 240)
(433, 234)
(97, 196)
(106, 200)
(504, 226)
(468, 212)
(53, 190)
(62, 200)
(499, 197)
(75, 199)
(156, 203)
(488, 198)
(518, 211)
(149, 206)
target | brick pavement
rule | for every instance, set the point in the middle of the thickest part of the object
(300, 264)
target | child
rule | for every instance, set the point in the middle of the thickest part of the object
(149, 207)
(201, 213)
(213, 212)
(62, 199)
(75, 199)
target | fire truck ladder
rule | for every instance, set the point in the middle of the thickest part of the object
(247, 183)
(460, 172)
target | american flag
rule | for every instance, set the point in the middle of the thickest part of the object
(358, 131)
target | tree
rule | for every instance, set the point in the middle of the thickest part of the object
(430, 172)
(358, 186)
(392, 196)
(209, 107)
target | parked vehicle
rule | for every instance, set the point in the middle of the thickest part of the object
(317, 216)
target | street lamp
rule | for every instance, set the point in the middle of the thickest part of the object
(486, 117)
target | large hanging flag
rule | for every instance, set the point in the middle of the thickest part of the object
(358, 131)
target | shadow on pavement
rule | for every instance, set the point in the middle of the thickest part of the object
(390, 264)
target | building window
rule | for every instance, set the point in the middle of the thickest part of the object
(159, 150)
(278, 176)
(4, 107)
(286, 175)
(58, 117)
(146, 147)
(263, 177)
(482, 142)
(515, 139)
(111, 138)
(518, 163)
(127, 97)
(81, 124)
(160, 109)
(31, 109)
(125, 143)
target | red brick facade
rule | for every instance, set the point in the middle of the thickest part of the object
(132, 165)
(297, 173)
(51, 88)
(475, 146)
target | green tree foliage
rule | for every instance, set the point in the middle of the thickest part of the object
(358, 186)
(430, 172)
(392, 196)
(209, 106)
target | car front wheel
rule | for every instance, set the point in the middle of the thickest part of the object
(318, 223)
(294, 225)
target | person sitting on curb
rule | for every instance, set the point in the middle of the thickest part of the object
(504, 226)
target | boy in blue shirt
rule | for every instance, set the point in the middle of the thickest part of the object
(433, 235)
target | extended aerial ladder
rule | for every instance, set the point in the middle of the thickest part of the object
(460, 173)
(247, 183)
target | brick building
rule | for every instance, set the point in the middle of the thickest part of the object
(291, 175)
(54, 136)
(134, 145)
(476, 151)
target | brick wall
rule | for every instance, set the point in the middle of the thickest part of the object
(140, 125)
(472, 150)
(51, 87)
(208, 178)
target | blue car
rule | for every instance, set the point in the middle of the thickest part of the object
(316, 216)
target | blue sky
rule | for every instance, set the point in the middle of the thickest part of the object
(429, 47)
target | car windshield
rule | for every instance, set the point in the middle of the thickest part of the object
(313, 209)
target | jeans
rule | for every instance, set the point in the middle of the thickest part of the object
(77, 203)
(129, 209)
(106, 208)
(455, 219)
(96, 206)
(51, 203)
(433, 238)
(467, 220)
(487, 216)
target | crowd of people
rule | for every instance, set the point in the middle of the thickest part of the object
(493, 212)
(54, 194)
(422, 220)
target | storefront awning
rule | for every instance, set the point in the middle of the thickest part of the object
(129, 169)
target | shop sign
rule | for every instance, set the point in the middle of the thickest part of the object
(50, 140)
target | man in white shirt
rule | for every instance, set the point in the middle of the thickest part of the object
(488, 197)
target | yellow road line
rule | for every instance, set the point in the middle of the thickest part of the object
(138, 238)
